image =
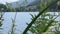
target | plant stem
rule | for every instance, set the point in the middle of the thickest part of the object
(38, 16)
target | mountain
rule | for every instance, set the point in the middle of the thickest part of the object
(22, 4)
(29, 5)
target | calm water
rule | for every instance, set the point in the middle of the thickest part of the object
(21, 19)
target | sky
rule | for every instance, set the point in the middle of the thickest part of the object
(9, 1)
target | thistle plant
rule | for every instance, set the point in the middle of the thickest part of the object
(13, 25)
(1, 21)
(40, 13)
(1, 18)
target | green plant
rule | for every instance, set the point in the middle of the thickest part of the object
(37, 17)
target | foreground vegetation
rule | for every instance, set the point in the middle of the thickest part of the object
(41, 23)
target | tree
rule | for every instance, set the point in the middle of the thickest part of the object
(3, 7)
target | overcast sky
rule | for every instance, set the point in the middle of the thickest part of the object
(4, 1)
(10, 1)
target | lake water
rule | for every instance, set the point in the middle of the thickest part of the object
(21, 19)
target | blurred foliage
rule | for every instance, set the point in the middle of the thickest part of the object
(40, 13)
(43, 5)
(41, 23)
